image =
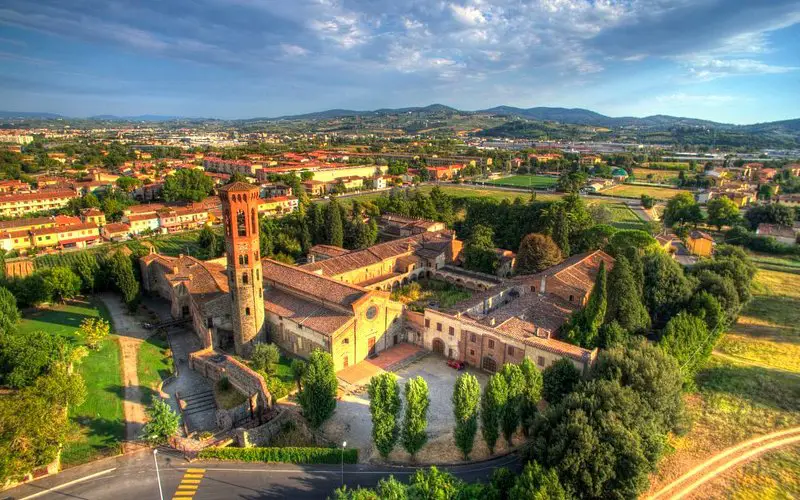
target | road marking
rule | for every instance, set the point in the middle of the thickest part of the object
(70, 483)
(189, 484)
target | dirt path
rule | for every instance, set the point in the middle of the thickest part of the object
(725, 460)
(131, 333)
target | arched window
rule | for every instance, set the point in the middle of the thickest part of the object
(241, 223)
(244, 278)
(246, 260)
(241, 260)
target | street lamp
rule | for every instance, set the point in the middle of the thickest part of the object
(158, 476)
(344, 444)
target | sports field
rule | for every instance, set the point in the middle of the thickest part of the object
(636, 191)
(527, 181)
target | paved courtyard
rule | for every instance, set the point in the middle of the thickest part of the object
(352, 421)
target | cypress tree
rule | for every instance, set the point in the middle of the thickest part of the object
(531, 394)
(415, 423)
(493, 400)
(318, 397)
(384, 406)
(466, 399)
(625, 304)
(510, 418)
(334, 230)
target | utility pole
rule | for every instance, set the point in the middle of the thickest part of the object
(344, 444)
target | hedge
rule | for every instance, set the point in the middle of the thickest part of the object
(289, 455)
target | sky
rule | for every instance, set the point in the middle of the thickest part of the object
(733, 61)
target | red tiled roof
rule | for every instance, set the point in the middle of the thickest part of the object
(39, 195)
(298, 280)
(304, 312)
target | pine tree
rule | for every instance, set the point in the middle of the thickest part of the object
(318, 397)
(384, 406)
(466, 400)
(510, 416)
(334, 230)
(493, 400)
(625, 304)
(415, 423)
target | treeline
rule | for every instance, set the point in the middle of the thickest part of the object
(87, 273)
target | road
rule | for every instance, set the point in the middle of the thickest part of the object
(134, 476)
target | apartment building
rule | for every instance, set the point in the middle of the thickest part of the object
(19, 204)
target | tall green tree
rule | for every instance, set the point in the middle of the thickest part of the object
(9, 314)
(666, 289)
(494, 398)
(163, 422)
(585, 323)
(510, 417)
(532, 393)
(384, 406)
(466, 401)
(333, 228)
(722, 211)
(559, 379)
(536, 253)
(625, 304)
(318, 397)
(479, 250)
(87, 268)
(687, 339)
(682, 209)
(537, 483)
(264, 357)
(120, 270)
(61, 283)
(415, 421)
(187, 184)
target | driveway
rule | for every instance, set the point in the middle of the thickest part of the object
(352, 421)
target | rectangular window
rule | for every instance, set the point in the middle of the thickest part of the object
(210, 322)
(438, 327)
(540, 361)
(452, 331)
(247, 311)
(510, 351)
(473, 338)
(491, 344)
(472, 352)
(427, 323)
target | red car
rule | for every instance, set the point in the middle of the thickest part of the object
(454, 363)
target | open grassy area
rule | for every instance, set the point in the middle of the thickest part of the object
(99, 423)
(153, 363)
(749, 387)
(622, 217)
(636, 191)
(527, 181)
(427, 292)
(655, 175)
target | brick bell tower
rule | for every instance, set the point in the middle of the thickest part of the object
(240, 202)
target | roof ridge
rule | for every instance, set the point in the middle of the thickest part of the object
(300, 269)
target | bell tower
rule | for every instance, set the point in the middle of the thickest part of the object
(240, 202)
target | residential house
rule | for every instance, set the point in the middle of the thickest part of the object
(700, 243)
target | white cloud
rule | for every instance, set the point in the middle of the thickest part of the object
(467, 15)
(710, 68)
(292, 50)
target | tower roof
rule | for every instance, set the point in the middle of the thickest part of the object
(238, 187)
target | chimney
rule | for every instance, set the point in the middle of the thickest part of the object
(543, 284)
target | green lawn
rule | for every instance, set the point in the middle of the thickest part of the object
(655, 175)
(153, 364)
(527, 181)
(99, 423)
(622, 217)
(636, 191)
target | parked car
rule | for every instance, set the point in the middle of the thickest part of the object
(456, 364)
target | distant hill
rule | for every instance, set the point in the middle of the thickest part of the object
(28, 114)
(332, 114)
(579, 116)
(138, 118)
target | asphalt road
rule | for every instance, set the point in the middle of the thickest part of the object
(134, 477)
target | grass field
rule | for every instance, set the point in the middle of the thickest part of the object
(656, 176)
(99, 423)
(526, 181)
(153, 363)
(623, 217)
(751, 387)
(635, 191)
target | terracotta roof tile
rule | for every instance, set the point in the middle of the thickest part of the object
(304, 312)
(304, 282)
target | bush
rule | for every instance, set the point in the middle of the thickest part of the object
(277, 387)
(289, 455)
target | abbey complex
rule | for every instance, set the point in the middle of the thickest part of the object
(340, 301)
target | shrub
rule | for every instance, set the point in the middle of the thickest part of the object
(289, 455)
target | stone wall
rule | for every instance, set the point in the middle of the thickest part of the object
(214, 366)
(263, 435)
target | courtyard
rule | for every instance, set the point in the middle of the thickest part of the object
(352, 422)
(430, 293)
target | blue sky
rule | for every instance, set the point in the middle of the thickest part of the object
(735, 61)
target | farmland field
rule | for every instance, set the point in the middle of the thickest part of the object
(667, 165)
(636, 191)
(655, 175)
(526, 181)
(622, 217)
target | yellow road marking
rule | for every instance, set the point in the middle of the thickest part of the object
(190, 471)
(187, 487)
(190, 481)
(193, 476)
